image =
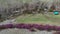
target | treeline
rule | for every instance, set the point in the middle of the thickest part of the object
(24, 8)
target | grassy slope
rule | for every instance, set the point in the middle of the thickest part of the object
(39, 19)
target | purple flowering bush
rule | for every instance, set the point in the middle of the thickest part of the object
(57, 28)
(31, 27)
(47, 27)
(8, 26)
(19, 25)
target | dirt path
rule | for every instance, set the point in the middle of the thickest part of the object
(23, 31)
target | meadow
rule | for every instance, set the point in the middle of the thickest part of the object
(39, 19)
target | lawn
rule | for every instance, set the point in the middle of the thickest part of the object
(39, 19)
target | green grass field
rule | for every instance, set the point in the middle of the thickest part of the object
(39, 19)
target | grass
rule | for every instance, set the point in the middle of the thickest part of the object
(38, 19)
(31, 18)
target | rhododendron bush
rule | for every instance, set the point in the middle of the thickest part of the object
(31, 27)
